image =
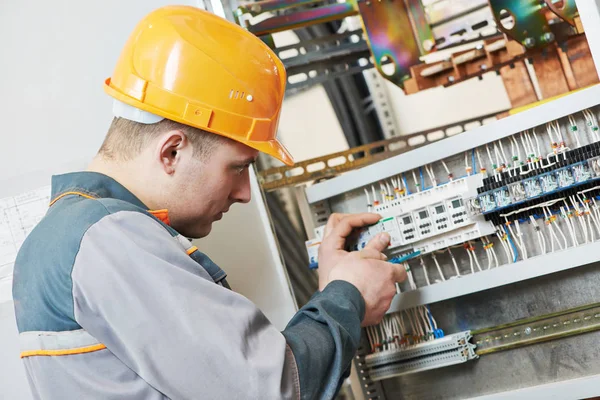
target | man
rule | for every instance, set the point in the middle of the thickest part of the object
(111, 298)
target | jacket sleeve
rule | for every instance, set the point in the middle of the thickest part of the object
(137, 291)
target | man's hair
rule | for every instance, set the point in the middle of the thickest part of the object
(126, 139)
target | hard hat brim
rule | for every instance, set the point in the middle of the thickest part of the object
(274, 148)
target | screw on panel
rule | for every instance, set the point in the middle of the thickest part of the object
(529, 42)
(548, 37)
(528, 331)
(249, 97)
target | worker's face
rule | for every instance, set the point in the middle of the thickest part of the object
(202, 190)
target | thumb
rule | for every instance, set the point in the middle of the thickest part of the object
(380, 242)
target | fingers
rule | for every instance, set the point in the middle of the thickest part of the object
(380, 242)
(343, 226)
(372, 254)
(399, 272)
(332, 222)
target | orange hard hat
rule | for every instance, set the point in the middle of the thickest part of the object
(190, 66)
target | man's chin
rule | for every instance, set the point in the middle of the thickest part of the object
(198, 232)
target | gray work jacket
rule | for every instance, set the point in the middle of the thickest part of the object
(113, 303)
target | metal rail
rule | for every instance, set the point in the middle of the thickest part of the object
(334, 164)
(534, 330)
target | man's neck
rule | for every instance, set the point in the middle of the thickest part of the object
(126, 173)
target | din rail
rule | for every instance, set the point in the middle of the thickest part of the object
(538, 329)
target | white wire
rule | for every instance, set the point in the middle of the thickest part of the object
(570, 224)
(417, 185)
(374, 195)
(530, 142)
(581, 221)
(446, 167)
(594, 219)
(528, 155)
(471, 264)
(487, 252)
(420, 321)
(559, 229)
(414, 322)
(517, 241)
(574, 125)
(389, 191)
(400, 320)
(592, 122)
(506, 160)
(595, 209)
(454, 262)
(499, 159)
(435, 326)
(437, 265)
(521, 240)
(431, 174)
(425, 271)
(370, 337)
(401, 185)
(510, 248)
(386, 333)
(491, 251)
(591, 222)
(490, 157)
(510, 255)
(479, 159)
(427, 327)
(537, 142)
(376, 333)
(411, 279)
(551, 228)
(471, 249)
(556, 127)
(549, 131)
(368, 200)
(512, 147)
(423, 313)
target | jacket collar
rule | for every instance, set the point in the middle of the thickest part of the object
(93, 184)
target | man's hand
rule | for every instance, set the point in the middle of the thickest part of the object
(331, 250)
(367, 269)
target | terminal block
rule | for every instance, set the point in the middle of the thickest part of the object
(565, 174)
(449, 350)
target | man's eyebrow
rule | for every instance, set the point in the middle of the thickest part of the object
(248, 160)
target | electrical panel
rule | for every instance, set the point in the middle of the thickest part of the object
(518, 196)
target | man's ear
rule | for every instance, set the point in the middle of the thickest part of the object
(169, 150)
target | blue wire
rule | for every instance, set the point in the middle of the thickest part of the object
(422, 180)
(473, 161)
(405, 258)
(437, 333)
(511, 244)
(405, 184)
